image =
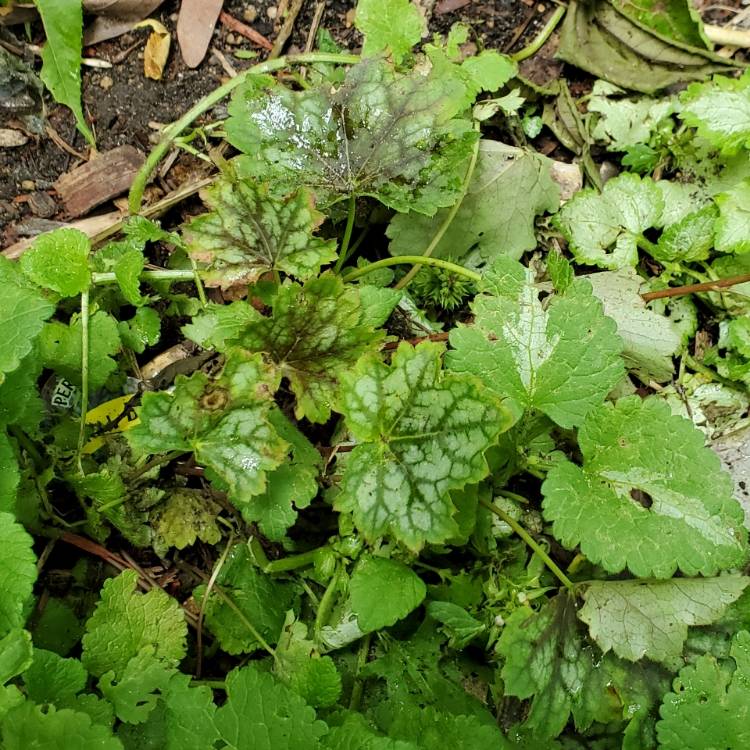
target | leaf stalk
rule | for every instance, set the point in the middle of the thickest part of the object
(530, 541)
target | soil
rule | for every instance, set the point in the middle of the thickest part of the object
(124, 107)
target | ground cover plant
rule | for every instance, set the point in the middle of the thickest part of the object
(435, 464)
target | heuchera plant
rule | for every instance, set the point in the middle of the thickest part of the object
(407, 515)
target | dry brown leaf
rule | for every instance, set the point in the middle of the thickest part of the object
(115, 17)
(157, 48)
(195, 26)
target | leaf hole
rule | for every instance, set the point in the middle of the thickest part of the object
(641, 497)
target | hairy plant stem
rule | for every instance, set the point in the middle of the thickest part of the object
(530, 541)
(285, 564)
(84, 375)
(411, 260)
(538, 41)
(326, 605)
(344, 252)
(359, 684)
(173, 130)
(202, 611)
(450, 216)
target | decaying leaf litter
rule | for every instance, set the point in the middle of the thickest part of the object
(401, 420)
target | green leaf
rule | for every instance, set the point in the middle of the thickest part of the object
(650, 339)
(261, 601)
(16, 654)
(23, 311)
(314, 334)
(61, 56)
(223, 421)
(720, 111)
(678, 20)
(51, 678)
(733, 224)
(384, 591)
(709, 705)
(509, 188)
(458, 623)
(57, 628)
(133, 696)
(59, 261)
(185, 517)
(561, 359)
(356, 734)
(394, 26)
(30, 726)
(397, 138)
(142, 330)
(690, 239)
(124, 622)
(250, 231)
(217, 325)
(650, 496)
(651, 618)
(431, 729)
(602, 41)
(318, 682)
(60, 348)
(183, 719)
(603, 229)
(290, 487)
(262, 714)
(17, 573)
(9, 474)
(20, 403)
(421, 433)
(623, 122)
(545, 659)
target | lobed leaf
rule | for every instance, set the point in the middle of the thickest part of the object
(124, 622)
(603, 229)
(509, 188)
(421, 433)
(562, 359)
(650, 496)
(709, 705)
(17, 573)
(650, 619)
(224, 422)
(250, 231)
(397, 138)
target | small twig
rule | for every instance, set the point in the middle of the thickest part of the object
(320, 9)
(60, 143)
(728, 35)
(244, 30)
(286, 29)
(706, 286)
(225, 64)
(530, 541)
(520, 30)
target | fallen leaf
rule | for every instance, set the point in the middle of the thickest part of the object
(157, 49)
(115, 17)
(195, 26)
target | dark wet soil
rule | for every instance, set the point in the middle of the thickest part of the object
(124, 107)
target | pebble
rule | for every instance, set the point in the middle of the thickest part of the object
(250, 13)
(272, 12)
(28, 185)
(42, 204)
(106, 83)
(232, 39)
